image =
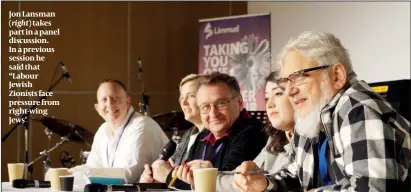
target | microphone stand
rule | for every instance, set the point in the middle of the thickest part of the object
(144, 104)
(28, 170)
(45, 154)
(144, 98)
(47, 160)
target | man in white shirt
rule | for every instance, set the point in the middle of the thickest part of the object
(127, 139)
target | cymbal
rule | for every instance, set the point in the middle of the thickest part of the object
(64, 128)
(170, 121)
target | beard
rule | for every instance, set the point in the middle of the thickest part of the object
(310, 125)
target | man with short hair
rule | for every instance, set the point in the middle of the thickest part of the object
(347, 138)
(231, 135)
(127, 139)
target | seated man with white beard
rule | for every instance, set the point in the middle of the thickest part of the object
(347, 138)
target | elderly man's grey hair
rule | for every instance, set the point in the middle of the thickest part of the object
(324, 48)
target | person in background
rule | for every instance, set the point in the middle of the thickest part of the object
(231, 135)
(347, 137)
(160, 169)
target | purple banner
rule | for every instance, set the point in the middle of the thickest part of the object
(238, 46)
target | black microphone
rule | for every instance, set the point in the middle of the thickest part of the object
(66, 73)
(168, 151)
(97, 187)
(21, 183)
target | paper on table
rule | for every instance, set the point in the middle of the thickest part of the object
(106, 172)
(80, 175)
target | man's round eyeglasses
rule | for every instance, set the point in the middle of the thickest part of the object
(220, 105)
(297, 78)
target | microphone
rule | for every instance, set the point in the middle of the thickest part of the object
(66, 73)
(168, 151)
(97, 187)
(140, 69)
(21, 183)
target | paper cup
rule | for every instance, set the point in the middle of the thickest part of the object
(66, 182)
(16, 171)
(54, 177)
(205, 179)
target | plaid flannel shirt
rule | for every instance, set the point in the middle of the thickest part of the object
(369, 146)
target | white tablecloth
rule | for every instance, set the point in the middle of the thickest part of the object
(6, 186)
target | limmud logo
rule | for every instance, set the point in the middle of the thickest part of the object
(209, 30)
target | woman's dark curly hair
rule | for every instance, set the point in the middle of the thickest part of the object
(278, 138)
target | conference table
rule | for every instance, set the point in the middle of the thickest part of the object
(6, 186)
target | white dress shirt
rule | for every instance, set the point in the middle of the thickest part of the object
(191, 142)
(138, 141)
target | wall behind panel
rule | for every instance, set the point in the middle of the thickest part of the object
(377, 34)
(100, 40)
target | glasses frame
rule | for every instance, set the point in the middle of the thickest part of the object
(297, 76)
(227, 101)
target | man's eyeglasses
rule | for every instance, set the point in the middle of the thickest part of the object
(297, 78)
(221, 104)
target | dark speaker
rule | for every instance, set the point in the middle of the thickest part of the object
(397, 93)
